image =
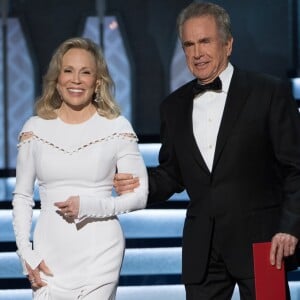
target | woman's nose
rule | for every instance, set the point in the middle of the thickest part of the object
(76, 77)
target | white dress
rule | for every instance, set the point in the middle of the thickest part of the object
(84, 255)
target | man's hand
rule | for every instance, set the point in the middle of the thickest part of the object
(283, 245)
(125, 183)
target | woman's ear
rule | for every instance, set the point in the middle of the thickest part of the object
(57, 89)
(58, 92)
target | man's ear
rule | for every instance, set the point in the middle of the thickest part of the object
(229, 46)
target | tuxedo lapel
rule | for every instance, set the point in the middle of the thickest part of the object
(236, 99)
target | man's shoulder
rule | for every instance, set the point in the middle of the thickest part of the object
(180, 93)
(255, 77)
(183, 89)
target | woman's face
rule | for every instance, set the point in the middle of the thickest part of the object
(77, 80)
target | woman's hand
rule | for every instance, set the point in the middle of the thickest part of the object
(34, 275)
(69, 208)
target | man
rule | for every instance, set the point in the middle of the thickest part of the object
(236, 150)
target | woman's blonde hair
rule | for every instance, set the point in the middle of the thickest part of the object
(50, 100)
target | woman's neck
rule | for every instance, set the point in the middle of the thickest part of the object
(73, 116)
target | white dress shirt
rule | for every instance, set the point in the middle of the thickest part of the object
(207, 114)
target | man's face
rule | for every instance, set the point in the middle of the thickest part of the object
(206, 53)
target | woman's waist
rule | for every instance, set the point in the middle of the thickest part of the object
(50, 196)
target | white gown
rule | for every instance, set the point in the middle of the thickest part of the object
(84, 256)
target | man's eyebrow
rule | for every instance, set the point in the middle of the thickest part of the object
(202, 40)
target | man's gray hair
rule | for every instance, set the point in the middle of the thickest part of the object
(195, 10)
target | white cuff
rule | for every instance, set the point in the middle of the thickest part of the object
(31, 257)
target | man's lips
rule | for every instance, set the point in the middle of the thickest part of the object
(200, 64)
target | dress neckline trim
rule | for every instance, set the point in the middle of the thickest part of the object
(78, 124)
(122, 135)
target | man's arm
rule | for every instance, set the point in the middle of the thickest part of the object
(161, 186)
(165, 179)
(284, 127)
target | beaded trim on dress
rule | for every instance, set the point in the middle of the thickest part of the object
(129, 136)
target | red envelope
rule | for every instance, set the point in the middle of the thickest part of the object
(270, 282)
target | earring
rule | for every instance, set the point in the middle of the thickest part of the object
(98, 97)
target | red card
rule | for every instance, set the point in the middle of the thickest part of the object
(269, 281)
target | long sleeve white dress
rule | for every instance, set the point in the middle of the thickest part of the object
(84, 255)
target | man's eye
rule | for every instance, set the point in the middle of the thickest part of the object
(187, 45)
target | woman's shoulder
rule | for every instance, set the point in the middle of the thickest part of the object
(117, 124)
(119, 127)
(30, 123)
(123, 124)
(33, 123)
(30, 129)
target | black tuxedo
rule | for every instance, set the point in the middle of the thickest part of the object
(253, 190)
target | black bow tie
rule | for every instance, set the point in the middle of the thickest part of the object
(215, 85)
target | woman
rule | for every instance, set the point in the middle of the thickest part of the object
(72, 148)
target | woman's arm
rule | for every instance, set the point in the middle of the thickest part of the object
(23, 201)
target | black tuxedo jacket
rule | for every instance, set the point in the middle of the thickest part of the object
(253, 190)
